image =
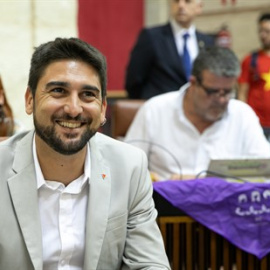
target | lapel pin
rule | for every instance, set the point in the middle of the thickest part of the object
(103, 176)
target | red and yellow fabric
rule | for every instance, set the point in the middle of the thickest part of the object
(258, 80)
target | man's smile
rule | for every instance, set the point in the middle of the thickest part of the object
(69, 124)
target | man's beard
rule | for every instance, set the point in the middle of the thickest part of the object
(49, 136)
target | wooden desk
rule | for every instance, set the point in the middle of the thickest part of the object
(116, 94)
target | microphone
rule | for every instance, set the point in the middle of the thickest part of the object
(151, 144)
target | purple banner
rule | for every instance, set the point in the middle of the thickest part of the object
(240, 212)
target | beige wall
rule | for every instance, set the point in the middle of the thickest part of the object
(25, 24)
(241, 19)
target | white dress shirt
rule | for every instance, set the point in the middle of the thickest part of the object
(192, 43)
(63, 217)
(174, 145)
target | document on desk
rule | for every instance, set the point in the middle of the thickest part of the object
(245, 169)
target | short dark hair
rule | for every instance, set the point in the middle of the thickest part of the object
(218, 60)
(66, 48)
(264, 17)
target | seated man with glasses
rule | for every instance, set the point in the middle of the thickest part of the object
(182, 130)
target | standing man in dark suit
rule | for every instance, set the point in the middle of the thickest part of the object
(157, 62)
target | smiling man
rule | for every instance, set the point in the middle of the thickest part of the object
(182, 130)
(71, 198)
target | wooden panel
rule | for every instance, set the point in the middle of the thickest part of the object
(176, 245)
(264, 264)
(191, 246)
(213, 248)
(201, 247)
(226, 255)
(116, 94)
(163, 232)
(250, 262)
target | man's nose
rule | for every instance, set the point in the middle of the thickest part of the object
(73, 106)
(222, 99)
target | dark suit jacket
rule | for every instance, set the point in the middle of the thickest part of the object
(155, 65)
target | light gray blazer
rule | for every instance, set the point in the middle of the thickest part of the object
(121, 232)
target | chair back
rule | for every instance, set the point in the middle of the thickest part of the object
(123, 112)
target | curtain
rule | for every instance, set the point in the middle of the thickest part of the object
(112, 26)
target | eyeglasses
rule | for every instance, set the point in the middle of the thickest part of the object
(216, 93)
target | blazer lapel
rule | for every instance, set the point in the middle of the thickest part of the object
(201, 41)
(98, 206)
(23, 190)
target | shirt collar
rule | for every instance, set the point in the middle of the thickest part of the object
(39, 175)
(178, 30)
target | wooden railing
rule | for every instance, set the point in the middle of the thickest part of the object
(192, 246)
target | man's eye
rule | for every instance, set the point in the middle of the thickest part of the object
(89, 94)
(57, 90)
(212, 91)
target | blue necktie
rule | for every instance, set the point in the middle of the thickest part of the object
(186, 57)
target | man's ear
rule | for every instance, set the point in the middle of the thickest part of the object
(29, 101)
(192, 80)
(103, 110)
